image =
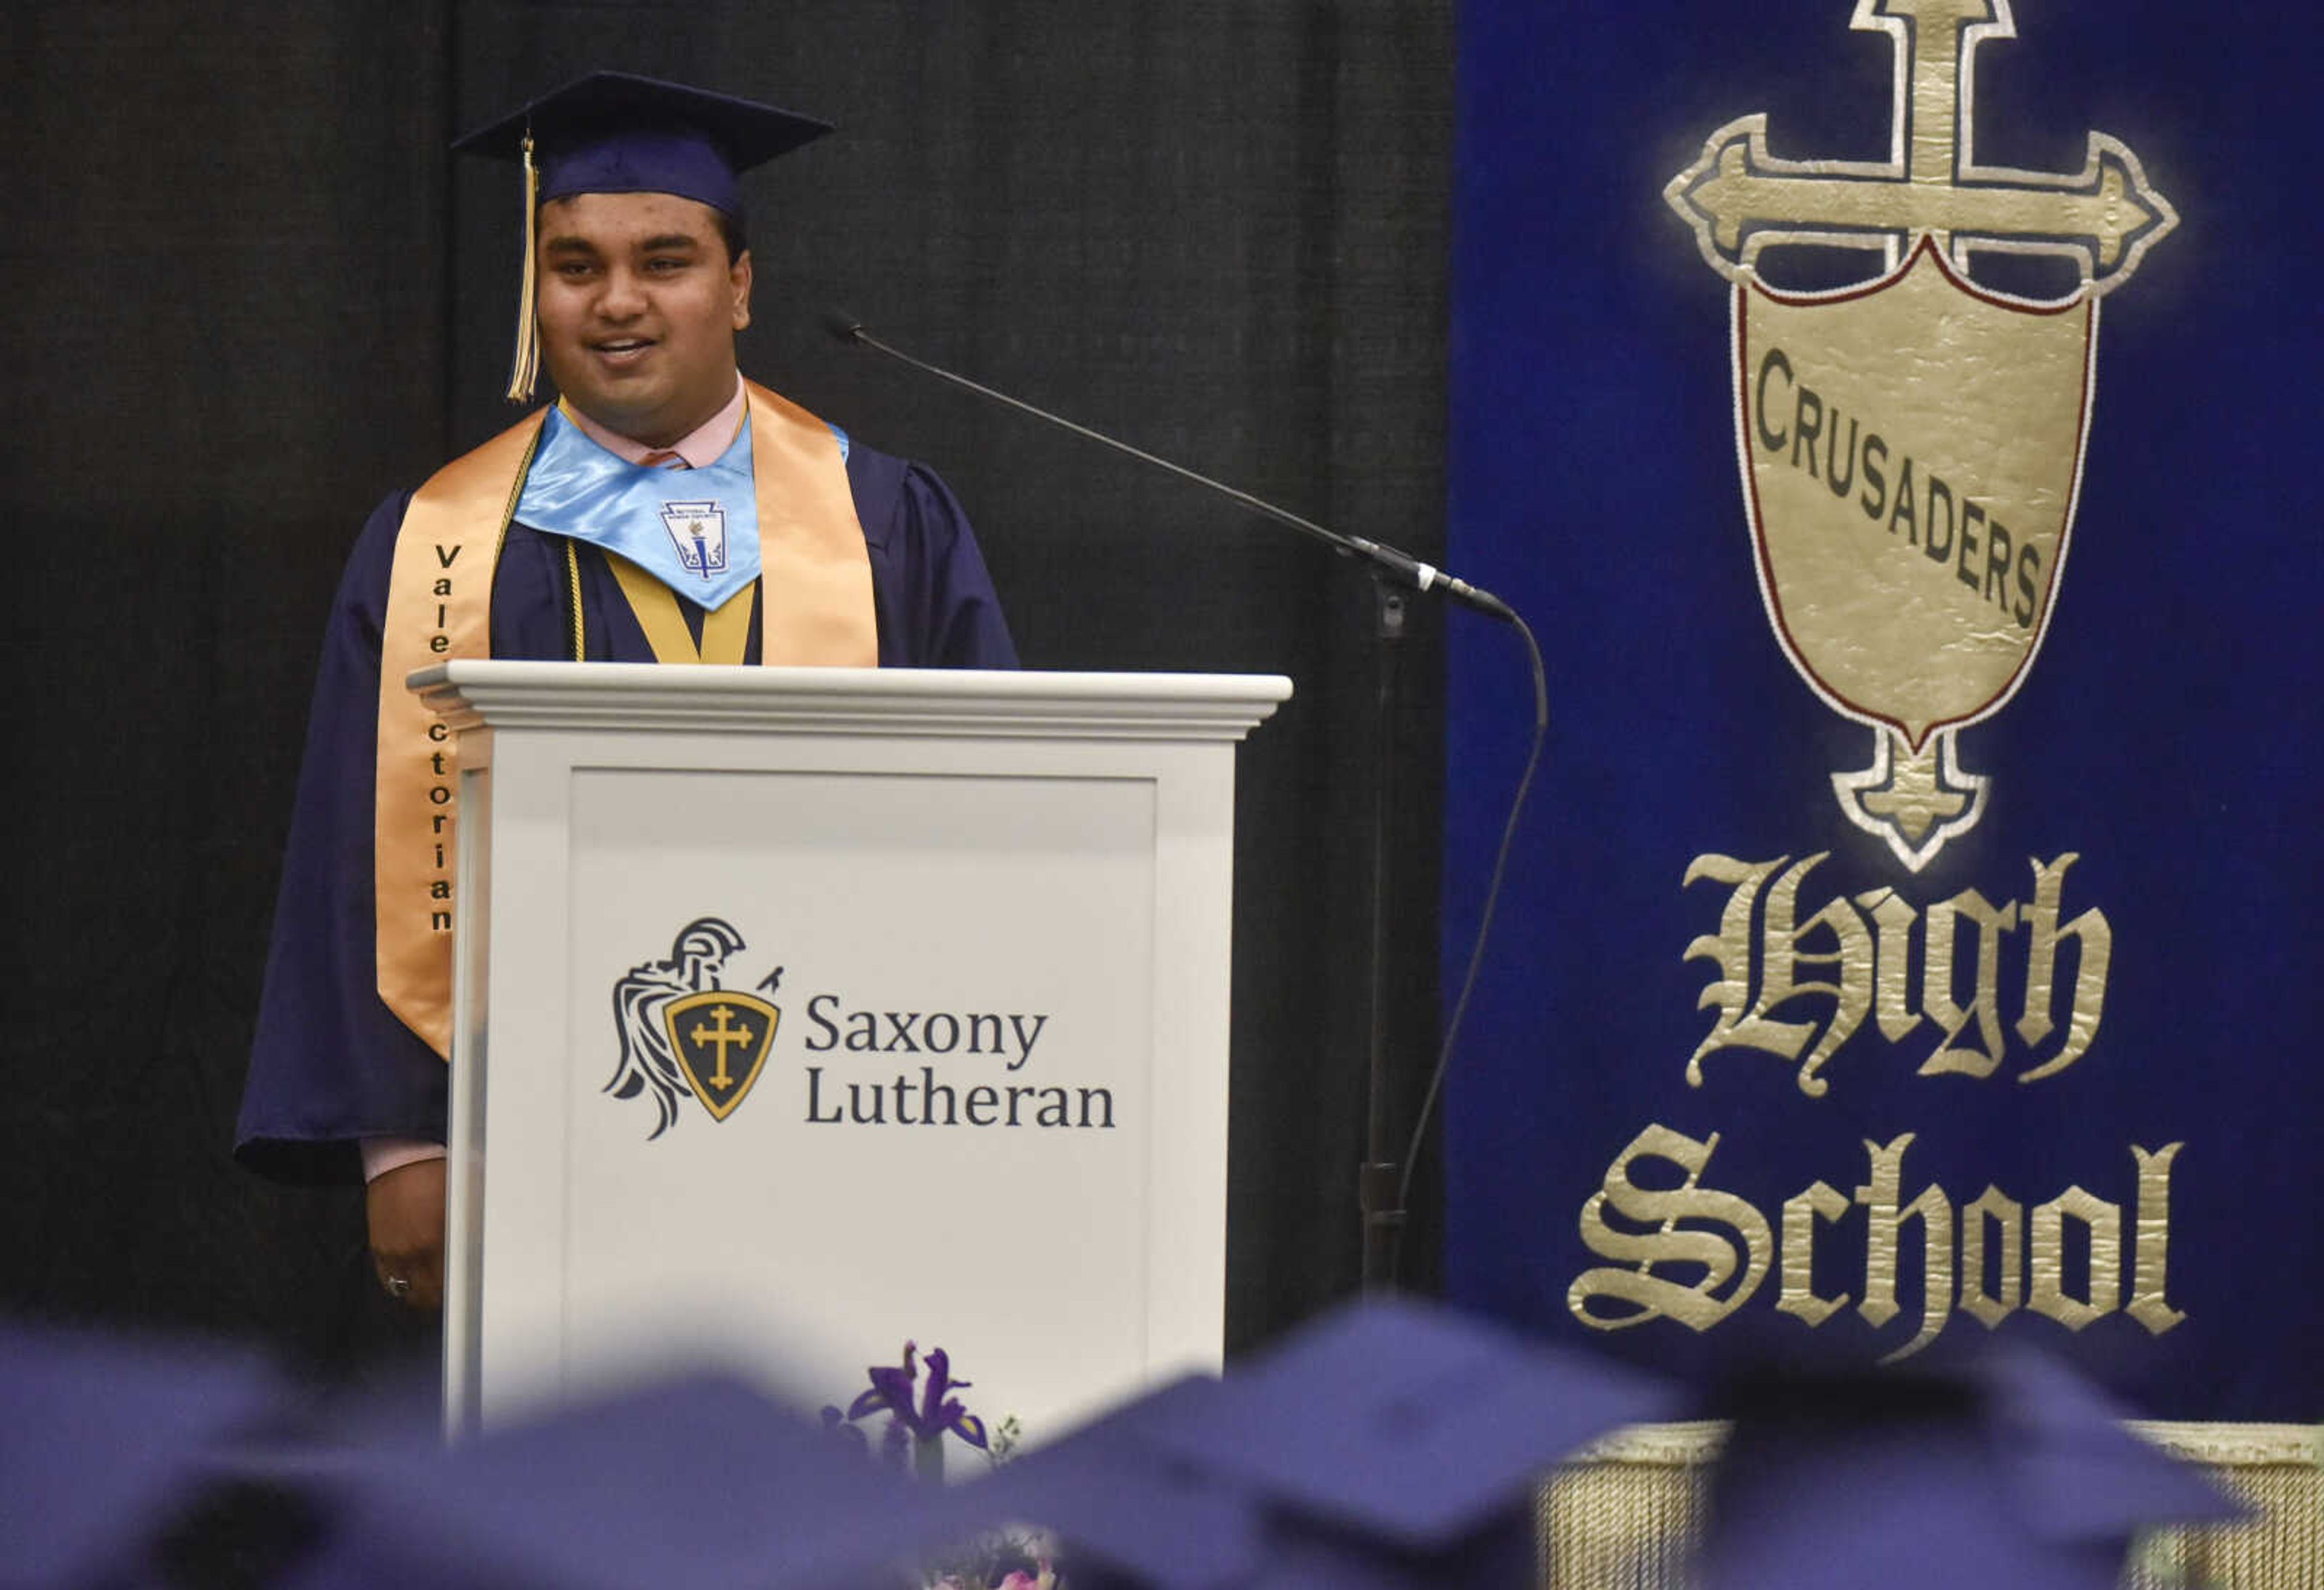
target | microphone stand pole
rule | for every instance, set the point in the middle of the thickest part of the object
(1383, 1215)
(1395, 574)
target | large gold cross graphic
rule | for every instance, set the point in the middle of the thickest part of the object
(1740, 197)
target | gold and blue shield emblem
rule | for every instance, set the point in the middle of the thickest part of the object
(720, 1039)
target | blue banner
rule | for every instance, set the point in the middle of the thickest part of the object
(1896, 416)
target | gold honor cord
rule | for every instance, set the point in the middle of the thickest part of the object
(815, 611)
(725, 633)
(573, 597)
(439, 600)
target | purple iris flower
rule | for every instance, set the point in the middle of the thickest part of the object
(937, 1411)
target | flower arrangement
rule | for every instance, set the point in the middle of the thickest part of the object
(917, 1425)
(920, 1412)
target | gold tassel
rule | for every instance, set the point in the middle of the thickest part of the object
(526, 369)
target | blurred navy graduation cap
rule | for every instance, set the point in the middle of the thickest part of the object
(103, 1442)
(615, 132)
(2007, 1475)
(701, 1481)
(1390, 1444)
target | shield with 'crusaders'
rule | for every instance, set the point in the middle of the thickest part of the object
(1912, 451)
(1912, 447)
(721, 1039)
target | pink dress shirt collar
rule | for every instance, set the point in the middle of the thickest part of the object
(699, 448)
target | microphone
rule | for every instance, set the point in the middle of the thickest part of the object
(1402, 567)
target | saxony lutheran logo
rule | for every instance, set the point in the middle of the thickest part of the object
(682, 1033)
(1911, 445)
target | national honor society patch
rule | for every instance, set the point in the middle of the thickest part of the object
(699, 531)
(1911, 444)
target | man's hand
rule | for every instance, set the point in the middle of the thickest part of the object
(406, 1210)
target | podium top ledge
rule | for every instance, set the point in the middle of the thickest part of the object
(880, 701)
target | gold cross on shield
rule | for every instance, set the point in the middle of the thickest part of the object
(1740, 197)
(720, 1039)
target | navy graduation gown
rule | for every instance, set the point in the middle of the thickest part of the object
(329, 1065)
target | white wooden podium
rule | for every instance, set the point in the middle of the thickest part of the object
(946, 953)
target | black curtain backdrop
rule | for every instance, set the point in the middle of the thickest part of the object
(251, 293)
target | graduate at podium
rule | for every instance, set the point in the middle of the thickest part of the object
(663, 510)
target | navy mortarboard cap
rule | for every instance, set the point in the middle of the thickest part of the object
(1391, 1443)
(1151, 1519)
(2077, 1470)
(1405, 1421)
(614, 133)
(103, 1443)
(697, 1482)
(2009, 1476)
(1303, 1557)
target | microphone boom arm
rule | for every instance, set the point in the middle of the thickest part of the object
(1402, 567)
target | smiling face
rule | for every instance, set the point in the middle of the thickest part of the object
(639, 306)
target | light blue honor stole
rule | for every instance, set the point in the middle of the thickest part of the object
(696, 530)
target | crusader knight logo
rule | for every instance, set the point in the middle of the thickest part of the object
(682, 1033)
(1911, 445)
